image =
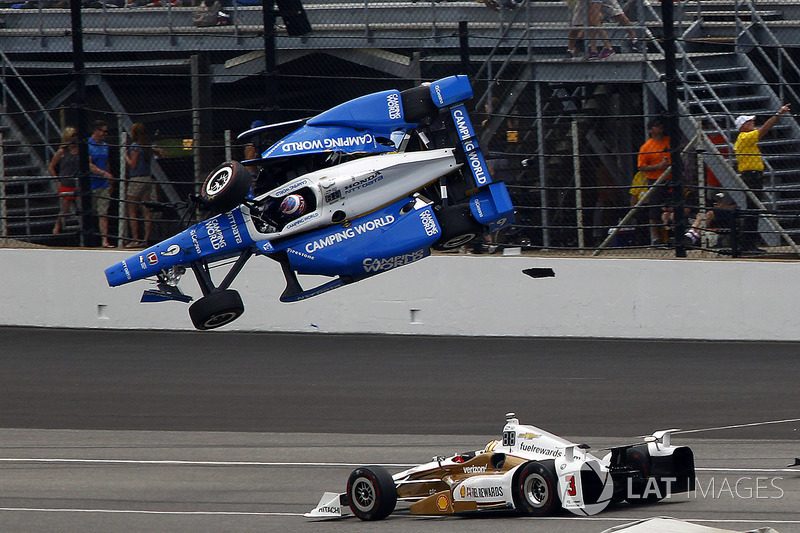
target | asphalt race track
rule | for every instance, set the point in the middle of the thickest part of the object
(164, 431)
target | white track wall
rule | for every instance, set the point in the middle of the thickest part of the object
(441, 295)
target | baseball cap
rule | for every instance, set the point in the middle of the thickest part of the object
(741, 119)
(722, 198)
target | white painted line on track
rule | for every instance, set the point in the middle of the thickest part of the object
(245, 513)
(190, 463)
(736, 426)
(156, 462)
(137, 511)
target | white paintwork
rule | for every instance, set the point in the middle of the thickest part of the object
(360, 186)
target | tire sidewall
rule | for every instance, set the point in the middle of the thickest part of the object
(380, 492)
(225, 187)
(540, 475)
(216, 309)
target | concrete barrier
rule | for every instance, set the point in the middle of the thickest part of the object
(441, 295)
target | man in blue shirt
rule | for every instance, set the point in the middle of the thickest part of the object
(100, 183)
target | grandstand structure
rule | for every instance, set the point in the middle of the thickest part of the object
(577, 124)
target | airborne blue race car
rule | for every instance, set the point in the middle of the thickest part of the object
(402, 173)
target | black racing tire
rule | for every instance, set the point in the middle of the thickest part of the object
(216, 309)
(418, 104)
(371, 493)
(225, 187)
(458, 227)
(535, 489)
(638, 459)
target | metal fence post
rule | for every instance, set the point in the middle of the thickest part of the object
(576, 160)
(123, 182)
(3, 227)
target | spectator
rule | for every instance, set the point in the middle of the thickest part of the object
(101, 178)
(65, 165)
(141, 187)
(718, 222)
(654, 159)
(750, 165)
(612, 10)
(588, 14)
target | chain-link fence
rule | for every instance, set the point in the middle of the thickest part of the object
(564, 93)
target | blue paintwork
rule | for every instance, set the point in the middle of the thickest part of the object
(387, 238)
(368, 245)
(213, 239)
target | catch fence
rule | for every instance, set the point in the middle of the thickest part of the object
(562, 130)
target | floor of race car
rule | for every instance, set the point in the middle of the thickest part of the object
(159, 431)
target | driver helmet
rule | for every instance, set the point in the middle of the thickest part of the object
(293, 205)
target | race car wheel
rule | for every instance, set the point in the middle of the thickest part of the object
(535, 489)
(216, 309)
(371, 492)
(225, 187)
(458, 227)
(642, 491)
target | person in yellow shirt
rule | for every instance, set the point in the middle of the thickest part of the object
(750, 165)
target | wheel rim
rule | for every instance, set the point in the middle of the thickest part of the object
(363, 494)
(218, 181)
(536, 490)
(220, 319)
(461, 240)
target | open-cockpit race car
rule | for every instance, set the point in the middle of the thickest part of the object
(403, 173)
(529, 470)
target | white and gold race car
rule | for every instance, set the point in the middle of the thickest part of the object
(530, 471)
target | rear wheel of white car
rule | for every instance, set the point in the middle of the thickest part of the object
(371, 493)
(643, 489)
(458, 227)
(216, 309)
(225, 187)
(535, 489)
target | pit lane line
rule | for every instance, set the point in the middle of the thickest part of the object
(157, 462)
(299, 515)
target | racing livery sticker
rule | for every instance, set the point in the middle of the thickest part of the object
(360, 183)
(474, 469)
(302, 220)
(291, 188)
(443, 503)
(428, 223)
(380, 265)
(348, 233)
(152, 258)
(481, 493)
(172, 250)
(215, 236)
(393, 103)
(195, 241)
(125, 269)
(329, 143)
(332, 195)
(532, 448)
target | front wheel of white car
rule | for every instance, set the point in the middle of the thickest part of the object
(225, 187)
(535, 489)
(371, 493)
